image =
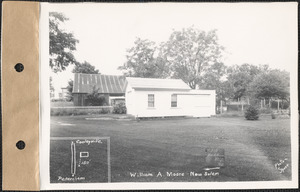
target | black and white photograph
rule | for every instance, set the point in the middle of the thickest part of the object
(169, 95)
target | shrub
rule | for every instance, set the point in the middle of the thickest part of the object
(120, 108)
(265, 111)
(273, 116)
(79, 111)
(232, 114)
(252, 113)
(104, 111)
(236, 107)
(283, 104)
(95, 98)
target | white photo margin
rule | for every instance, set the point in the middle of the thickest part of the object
(45, 184)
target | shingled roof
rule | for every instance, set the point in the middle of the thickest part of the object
(84, 83)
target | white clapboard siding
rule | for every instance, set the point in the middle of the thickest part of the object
(197, 103)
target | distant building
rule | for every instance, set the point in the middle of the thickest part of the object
(147, 97)
(64, 93)
(108, 85)
(59, 95)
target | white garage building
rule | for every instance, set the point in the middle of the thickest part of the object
(147, 97)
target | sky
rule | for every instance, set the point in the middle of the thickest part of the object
(254, 33)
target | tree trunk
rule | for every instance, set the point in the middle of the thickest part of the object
(221, 107)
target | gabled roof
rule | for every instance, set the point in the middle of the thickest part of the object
(149, 83)
(198, 92)
(84, 83)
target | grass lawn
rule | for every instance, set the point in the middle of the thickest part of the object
(176, 147)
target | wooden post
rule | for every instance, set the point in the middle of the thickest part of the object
(242, 104)
(277, 104)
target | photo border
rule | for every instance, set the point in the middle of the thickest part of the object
(293, 184)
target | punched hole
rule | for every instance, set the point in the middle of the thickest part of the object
(19, 67)
(20, 144)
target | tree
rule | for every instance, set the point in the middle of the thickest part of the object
(85, 67)
(190, 52)
(95, 98)
(271, 85)
(142, 61)
(70, 90)
(186, 55)
(51, 87)
(241, 76)
(62, 44)
(214, 78)
(252, 113)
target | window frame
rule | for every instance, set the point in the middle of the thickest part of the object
(174, 101)
(151, 102)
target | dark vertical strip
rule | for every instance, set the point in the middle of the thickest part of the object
(101, 90)
(117, 85)
(110, 84)
(105, 87)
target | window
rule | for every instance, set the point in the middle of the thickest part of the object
(150, 100)
(173, 100)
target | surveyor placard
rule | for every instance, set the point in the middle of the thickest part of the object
(80, 160)
(215, 157)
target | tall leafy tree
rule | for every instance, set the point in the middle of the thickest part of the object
(241, 76)
(190, 52)
(62, 43)
(270, 85)
(215, 79)
(85, 67)
(143, 61)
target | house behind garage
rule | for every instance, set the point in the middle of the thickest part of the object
(147, 97)
(111, 86)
